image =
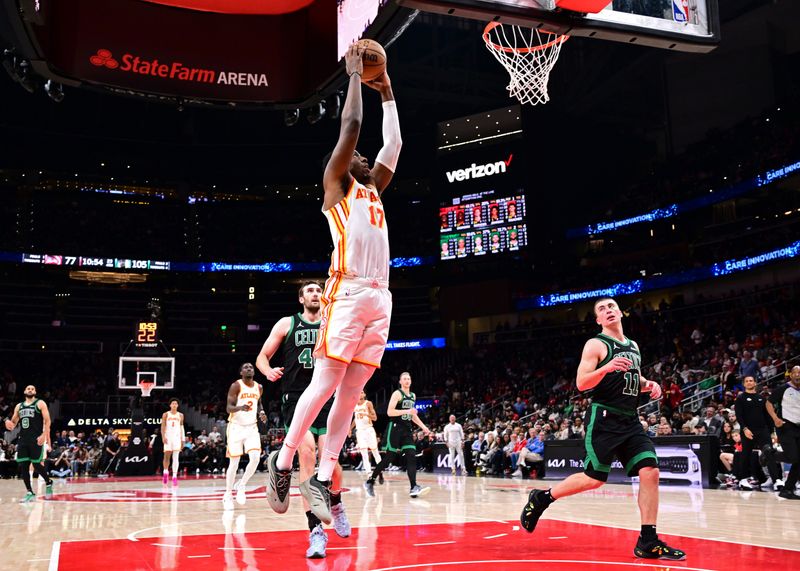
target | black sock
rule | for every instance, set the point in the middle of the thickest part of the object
(336, 498)
(313, 521)
(25, 475)
(39, 469)
(649, 533)
(548, 497)
(411, 467)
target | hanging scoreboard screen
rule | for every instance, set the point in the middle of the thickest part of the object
(146, 334)
(479, 225)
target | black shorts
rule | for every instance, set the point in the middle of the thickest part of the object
(30, 452)
(789, 439)
(613, 433)
(320, 424)
(398, 438)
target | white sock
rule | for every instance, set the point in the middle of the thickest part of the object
(255, 456)
(365, 458)
(176, 459)
(230, 475)
(328, 374)
(340, 415)
(377, 456)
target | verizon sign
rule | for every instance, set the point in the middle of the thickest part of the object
(479, 171)
(175, 70)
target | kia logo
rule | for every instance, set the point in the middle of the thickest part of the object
(104, 58)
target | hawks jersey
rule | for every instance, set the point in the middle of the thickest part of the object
(247, 395)
(298, 354)
(173, 428)
(362, 416)
(360, 234)
(619, 389)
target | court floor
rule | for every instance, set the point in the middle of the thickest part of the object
(463, 523)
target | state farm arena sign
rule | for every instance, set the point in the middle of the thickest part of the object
(144, 47)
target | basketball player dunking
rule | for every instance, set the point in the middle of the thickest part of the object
(356, 303)
(366, 439)
(610, 365)
(34, 418)
(173, 435)
(296, 335)
(243, 407)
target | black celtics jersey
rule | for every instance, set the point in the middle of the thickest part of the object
(619, 389)
(298, 358)
(406, 402)
(31, 422)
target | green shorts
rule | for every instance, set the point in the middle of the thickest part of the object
(320, 424)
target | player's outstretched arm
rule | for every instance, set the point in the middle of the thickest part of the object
(337, 177)
(391, 410)
(276, 337)
(11, 423)
(386, 161)
(45, 422)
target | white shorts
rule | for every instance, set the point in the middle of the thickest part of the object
(242, 439)
(355, 320)
(366, 439)
(173, 443)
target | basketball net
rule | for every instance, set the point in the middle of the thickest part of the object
(146, 387)
(528, 56)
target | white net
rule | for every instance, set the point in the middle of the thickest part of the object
(528, 55)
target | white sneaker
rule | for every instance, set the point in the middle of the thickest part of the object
(241, 491)
(517, 474)
(745, 484)
(227, 501)
(418, 491)
(778, 486)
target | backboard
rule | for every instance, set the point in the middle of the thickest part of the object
(681, 25)
(134, 370)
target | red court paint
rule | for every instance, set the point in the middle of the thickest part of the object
(555, 546)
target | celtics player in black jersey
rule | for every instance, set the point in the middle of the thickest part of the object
(399, 436)
(611, 367)
(34, 419)
(296, 337)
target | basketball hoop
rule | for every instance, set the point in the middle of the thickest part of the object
(146, 387)
(528, 56)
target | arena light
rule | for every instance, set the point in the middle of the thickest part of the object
(55, 91)
(291, 116)
(316, 113)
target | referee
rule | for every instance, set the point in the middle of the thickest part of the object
(784, 408)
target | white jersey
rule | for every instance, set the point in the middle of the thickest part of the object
(362, 416)
(453, 433)
(173, 429)
(247, 395)
(360, 234)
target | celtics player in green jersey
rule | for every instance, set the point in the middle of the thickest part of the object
(34, 419)
(296, 337)
(611, 367)
(399, 437)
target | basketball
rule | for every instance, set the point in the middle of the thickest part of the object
(374, 58)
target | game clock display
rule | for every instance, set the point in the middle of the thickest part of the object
(146, 333)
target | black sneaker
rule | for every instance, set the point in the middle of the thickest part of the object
(788, 494)
(369, 486)
(657, 549)
(380, 478)
(278, 484)
(318, 496)
(533, 510)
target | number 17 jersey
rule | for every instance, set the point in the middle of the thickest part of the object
(298, 359)
(360, 234)
(619, 389)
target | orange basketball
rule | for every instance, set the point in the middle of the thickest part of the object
(374, 58)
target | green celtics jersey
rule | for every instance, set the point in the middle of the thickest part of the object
(407, 401)
(31, 422)
(619, 389)
(298, 358)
